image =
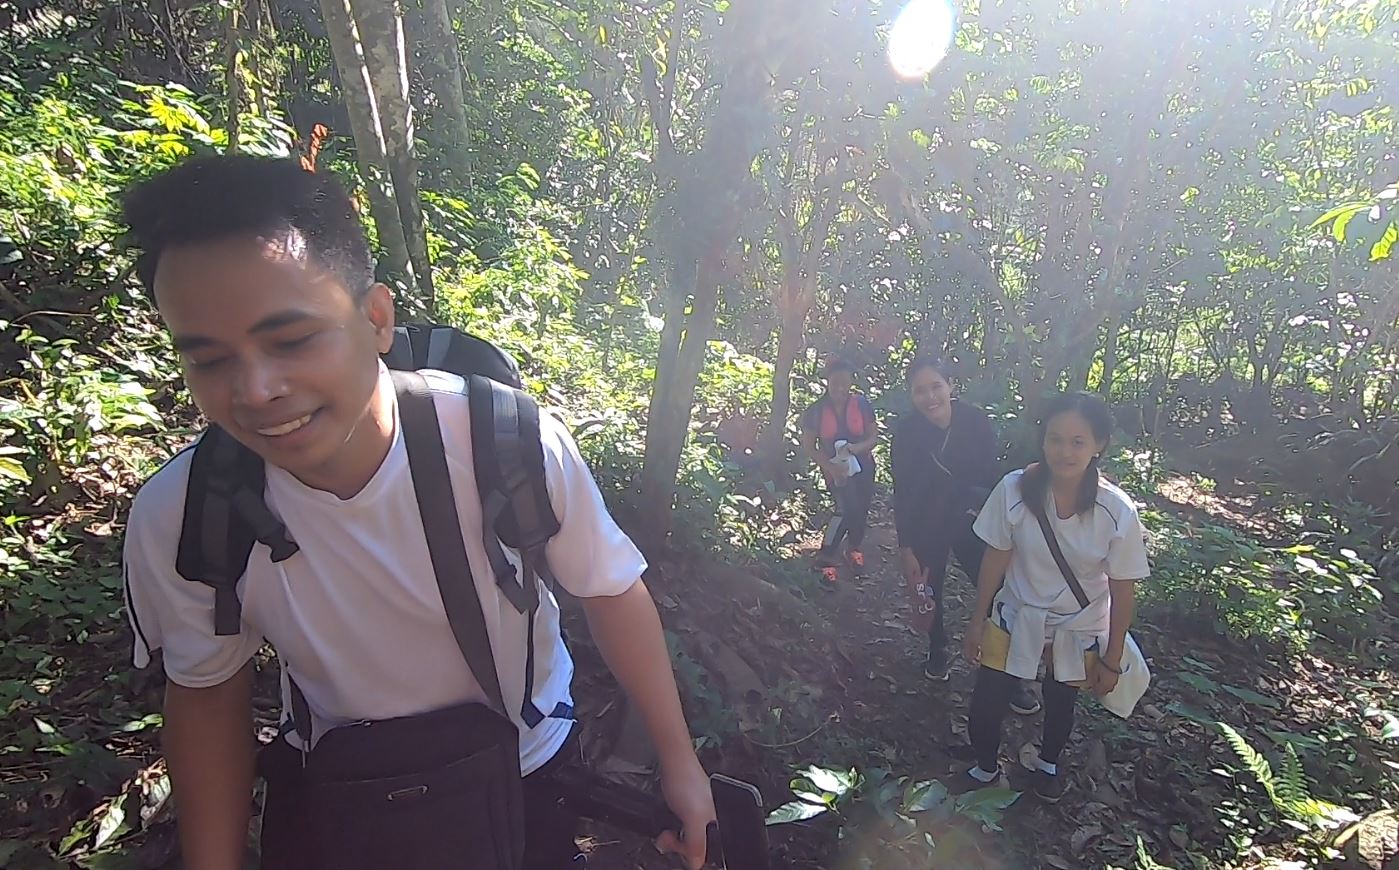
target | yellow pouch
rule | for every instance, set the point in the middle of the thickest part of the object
(995, 646)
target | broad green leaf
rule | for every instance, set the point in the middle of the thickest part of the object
(986, 806)
(149, 721)
(13, 469)
(1199, 683)
(925, 796)
(1385, 246)
(1338, 229)
(834, 781)
(1251, 697)
(111, 822)
(796, 811)
(1188, 712)
(1349, 209)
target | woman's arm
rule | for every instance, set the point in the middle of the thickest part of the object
(905, 486)
(1124, 605)
(993, 573)
(1124, 601)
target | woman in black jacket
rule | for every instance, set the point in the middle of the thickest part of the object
(944, 466)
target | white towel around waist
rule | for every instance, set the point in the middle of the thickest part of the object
(1068, 635)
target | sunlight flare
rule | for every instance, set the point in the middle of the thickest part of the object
(921, 37)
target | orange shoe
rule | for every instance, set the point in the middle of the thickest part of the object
(857, 558)
(830, 574)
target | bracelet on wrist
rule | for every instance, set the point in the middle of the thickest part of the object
(1110, 667)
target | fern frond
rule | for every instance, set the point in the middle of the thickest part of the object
(1253, 760)
(1292, 784)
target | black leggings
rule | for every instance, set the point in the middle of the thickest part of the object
(991, 700)
(853, 499)
(932, 554)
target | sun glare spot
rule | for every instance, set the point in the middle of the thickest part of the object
(920, 37)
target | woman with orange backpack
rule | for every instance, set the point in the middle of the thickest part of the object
(839, 432)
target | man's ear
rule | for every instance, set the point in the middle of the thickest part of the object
(378, 307)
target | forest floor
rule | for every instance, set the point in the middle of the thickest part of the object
(777, 676)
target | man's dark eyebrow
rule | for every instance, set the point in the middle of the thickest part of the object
(270, 323)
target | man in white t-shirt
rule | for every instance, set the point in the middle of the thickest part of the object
(262, 273)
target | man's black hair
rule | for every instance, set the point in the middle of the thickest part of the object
(207, 199)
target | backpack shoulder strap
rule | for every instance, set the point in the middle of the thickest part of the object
(432, 485)
(225, 515)
(508, 459)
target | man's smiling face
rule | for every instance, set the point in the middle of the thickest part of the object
(275, 348)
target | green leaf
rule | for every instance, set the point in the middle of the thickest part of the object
(834, 781)
(112, 822)
(1348, 209)
(1251, 697)
(13, 469)
(150, 721)
(1385, 246)
(1199, 683)
(1338, 229)
(986, 806)
(796, 811)
(925, 796)
(1390, 731)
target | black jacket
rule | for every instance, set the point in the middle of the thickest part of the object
(940, 474)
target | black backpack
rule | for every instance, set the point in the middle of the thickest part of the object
(226, 515)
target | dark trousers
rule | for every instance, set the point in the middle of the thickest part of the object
(991, 702)
(853, 499)
(550, 826)
(956, 538)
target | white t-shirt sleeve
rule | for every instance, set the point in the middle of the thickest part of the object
(1127, 559)
(167, 612)
(993, 525)
(590, 556)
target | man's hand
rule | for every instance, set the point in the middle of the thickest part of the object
(686, 789)
(627, 631)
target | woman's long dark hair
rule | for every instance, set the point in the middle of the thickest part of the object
(1034, 483)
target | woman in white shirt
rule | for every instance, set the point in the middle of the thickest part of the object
(1022, 592)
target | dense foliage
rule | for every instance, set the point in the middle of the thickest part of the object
(670, 212)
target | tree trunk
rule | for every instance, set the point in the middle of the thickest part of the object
(363, 111)
(380, 28)
(436, 53)
(708, 203)
(789, 343)
(232, 75)
(677, 374)
(1114, 327)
